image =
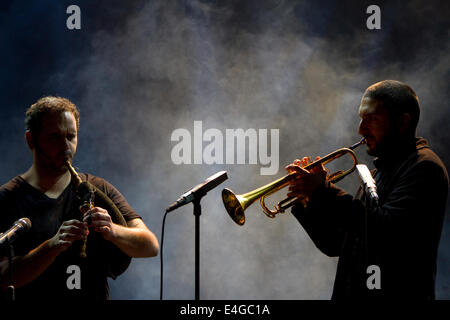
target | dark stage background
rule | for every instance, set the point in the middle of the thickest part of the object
(138, 70)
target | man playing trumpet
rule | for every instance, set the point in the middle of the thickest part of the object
(400, 235)
(48, 254)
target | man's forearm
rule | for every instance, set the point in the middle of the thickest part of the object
(27, 268)
(135, 242)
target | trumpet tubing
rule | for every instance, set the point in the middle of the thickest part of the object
(237, 204)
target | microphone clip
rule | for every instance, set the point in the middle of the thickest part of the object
(368, 184)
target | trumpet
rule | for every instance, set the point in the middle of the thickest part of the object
(237, 204)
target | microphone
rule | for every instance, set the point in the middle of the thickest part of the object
(19, 227)
(368, 182)
(199, 190)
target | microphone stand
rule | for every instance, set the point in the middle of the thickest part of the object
(11, 289)
(195, 195)
(197, 213)
(370, 205)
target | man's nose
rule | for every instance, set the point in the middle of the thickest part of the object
(362, 129)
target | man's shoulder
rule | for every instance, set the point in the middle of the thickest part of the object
(95, 180)
(12, 185)
(10, 194)
(426, 156)
(428, 162)
(112, 193)
(99, 182)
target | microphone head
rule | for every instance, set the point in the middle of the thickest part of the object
(19, 227)
(25, 223)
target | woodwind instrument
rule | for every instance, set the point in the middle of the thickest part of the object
(103, 252)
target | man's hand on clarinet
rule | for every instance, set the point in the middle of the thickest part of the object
(307, 181)
(68, 232)
(100, 220)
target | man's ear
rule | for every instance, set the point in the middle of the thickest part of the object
(30, 139)
(404, 123)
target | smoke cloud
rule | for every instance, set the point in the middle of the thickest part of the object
(140, 71)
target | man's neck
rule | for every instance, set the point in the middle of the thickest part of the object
(392, 156)
(398, 147)
(50, 183)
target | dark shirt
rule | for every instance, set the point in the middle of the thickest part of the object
(19, 199)
(401, 235)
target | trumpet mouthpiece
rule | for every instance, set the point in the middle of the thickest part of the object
(360, 142)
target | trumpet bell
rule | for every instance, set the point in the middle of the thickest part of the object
(233, 205)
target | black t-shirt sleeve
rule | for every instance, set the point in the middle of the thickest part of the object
(9, 213)
(116, 197)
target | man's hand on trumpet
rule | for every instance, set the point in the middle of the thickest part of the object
(307, 181)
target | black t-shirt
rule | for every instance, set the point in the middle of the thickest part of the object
(19, 199)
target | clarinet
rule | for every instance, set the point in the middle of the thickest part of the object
(116, 261)
(87, 196)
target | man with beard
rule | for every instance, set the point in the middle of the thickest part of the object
(399, 236)
(47, 264)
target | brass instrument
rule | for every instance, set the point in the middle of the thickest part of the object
(237, 204)
(87, 196)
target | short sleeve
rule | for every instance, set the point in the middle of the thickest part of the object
(116, 197)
